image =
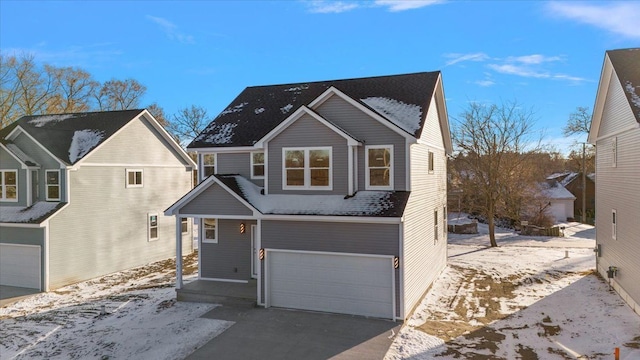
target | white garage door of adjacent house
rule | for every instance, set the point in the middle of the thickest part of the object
(20, 265)
(332, 282)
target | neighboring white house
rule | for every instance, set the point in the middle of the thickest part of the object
(615, 129)
(82, 195)
(561, 200)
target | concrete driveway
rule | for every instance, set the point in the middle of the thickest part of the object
(11, 294)
(260, 333)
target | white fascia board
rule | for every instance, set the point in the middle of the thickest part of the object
(23, 225)
(443, 115)
(601, 97)
(303, 110)
(18, 129)
(228, 149)
(332, 91)
(328, 218)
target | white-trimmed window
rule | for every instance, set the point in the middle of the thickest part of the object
(210, 231)
(184, 225)
(614, 223)
(431, 162)
(379, 164)
(134, 178)
(257, 165)
(614, 152)
(435, 225)
(9, 185)
(208, 165)
(53, 185)
(153, 227)
(307, 168)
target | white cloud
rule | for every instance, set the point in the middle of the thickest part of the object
(402, 5)
(533, 59)
(171, 30)
(456, 58)
(519, 70)
(533, 66)
(330, 7)
(336, 7)
(617, 17)
(485, 83)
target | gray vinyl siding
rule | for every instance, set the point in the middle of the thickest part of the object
(616, 107)
(26, 236)
(619, 188)
(371, 132)
(215, 201)
(308, 132)
(136, 143)
(423, 257)
(236, 163)
(230, 258)
(8, 162)
(357, 238)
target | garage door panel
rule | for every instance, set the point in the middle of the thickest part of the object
(20, 266)
(351, 284)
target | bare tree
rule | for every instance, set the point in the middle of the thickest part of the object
(74, 89)
(579, 122)
(158, 113)
(119, 94)
(495, 144)
(188, 122)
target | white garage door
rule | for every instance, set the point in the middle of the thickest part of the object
(20, 265)
(331, 282)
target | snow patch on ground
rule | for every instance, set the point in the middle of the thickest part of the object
(82, 142)
(406, 116)
(41, 121)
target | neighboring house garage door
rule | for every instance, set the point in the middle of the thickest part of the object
(20, 265)
(331, 282)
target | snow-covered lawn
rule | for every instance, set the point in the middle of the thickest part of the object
(525, 299)
(141, 319)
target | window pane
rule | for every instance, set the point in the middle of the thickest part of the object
(52, 177)
(208, 159)
(153, 232)
(294, 159)
(153, 220)
(379, 177)
(11, 192)
(208, 170)
(209, 223)
(318, 158)
(319, 177)
(210, 234)
(9, 178)
(138, 175)
(184, 225)
(379, 157)
(258, 170)
(258, 158)
(295, 177)
(53, 192)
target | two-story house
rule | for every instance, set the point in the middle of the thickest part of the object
(83, 196)
(331, 194)
(615, 130)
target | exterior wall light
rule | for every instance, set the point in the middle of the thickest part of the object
(242, 228)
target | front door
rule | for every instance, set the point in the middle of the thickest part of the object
(254, 253)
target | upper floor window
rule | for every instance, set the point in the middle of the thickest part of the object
(208, 165)
(53, 185)
(134, 178)
(9, 185)
(379, 164)
(431, 162)
(257, 165)
(307, 168)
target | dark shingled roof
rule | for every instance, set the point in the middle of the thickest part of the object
(56, 132)
(626, 63)
(259, 109)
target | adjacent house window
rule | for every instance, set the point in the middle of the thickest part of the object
(53, 185)
(307, 168)
(379, 164)
(184, 225)
(257, 165)
(134, 178)
(9, 185)
(210, 230)
(153, 227)
(431, 162)
(435, 225)
(444, 219)
(614, 221)
(208, 165)
(614, 152)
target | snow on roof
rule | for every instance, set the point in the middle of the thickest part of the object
(555, 190)
(82, 142)
(43, 120)
(285, 109)
(569, 178)
(258, 110)
(35, 213)
(223, 134)
(405, 116)
(363, 203)
(234, 109)
(633, 93)
(557, 175)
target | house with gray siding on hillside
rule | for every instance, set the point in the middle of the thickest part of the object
(83, 196)
(615, 130)
(328, 196)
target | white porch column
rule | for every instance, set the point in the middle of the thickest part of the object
(178, 252)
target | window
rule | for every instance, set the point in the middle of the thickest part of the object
(614, 221)
(184, 225)
(307, 168)
(435, 226)
(208, 165)
(134, 178)
(257, 165)
(614, 152)
(153, 227)
(431, 162)
(379, 164)
(53, 185)
(444, 219)
(210, 230)
(9, 185)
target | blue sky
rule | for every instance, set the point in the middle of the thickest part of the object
(546, 55)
